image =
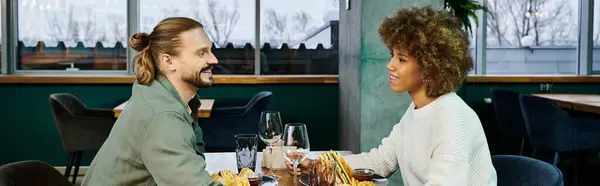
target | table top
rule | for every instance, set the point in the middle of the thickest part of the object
(216, 162)
(580, 102)
(203, 112)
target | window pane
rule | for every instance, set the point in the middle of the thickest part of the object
(596, 37)
(72, 35)
(472, 47)
(299, 37)
(537, 40)
(229, 23)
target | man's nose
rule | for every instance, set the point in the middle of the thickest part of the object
(213, 59)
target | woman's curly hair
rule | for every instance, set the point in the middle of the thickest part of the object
(436, 39)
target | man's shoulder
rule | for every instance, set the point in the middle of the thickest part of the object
(153, 100)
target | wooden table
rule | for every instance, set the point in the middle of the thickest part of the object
(216, 162)
(579, 102)
(203, 112)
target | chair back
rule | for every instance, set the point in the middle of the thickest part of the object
(508, 113)
(259, 102)
(77, 129)
(31, 172)
(218, 133)
(65, 103)
(544, 122)
(513, 170)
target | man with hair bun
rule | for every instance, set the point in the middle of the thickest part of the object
(153, 141)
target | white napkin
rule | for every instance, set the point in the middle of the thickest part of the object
(274, 160)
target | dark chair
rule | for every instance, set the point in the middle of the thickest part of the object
(80, 128)
(549, 127)
(515, 170)
(31, 173)
(509, 117)
(218, 131)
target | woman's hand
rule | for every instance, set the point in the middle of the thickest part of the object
(302, 167)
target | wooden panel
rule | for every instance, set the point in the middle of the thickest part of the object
(203, 112)
(533, 79)
(128, 79)
(216, 162)
(580, 102)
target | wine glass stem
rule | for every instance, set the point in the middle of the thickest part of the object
(271, 161)
(295, 175)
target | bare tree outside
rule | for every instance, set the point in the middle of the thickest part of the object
(87, 28)
(62, 26)
(335, 3)
(547, 22)
(117, 26)
(147, 23)
(302, 20)
(219, 21)
(172, 12)
(284, 28)
(495, 28)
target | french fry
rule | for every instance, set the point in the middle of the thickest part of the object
(227, 178)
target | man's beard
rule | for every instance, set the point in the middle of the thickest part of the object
(196, 78)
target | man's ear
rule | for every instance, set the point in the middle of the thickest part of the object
(167, 61)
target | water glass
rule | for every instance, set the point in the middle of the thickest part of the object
(245, 151)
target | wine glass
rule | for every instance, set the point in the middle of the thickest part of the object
(269, 130)
(297, 146)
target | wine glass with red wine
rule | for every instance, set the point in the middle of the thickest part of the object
(295, 144)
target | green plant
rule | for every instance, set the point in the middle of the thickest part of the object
(465, 9)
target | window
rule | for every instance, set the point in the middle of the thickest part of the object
(596, 37)
(72, 35)
(532, 37)
(473, 44)
(229, 23)
(299, 37)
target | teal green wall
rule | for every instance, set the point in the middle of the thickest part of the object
(27, 128)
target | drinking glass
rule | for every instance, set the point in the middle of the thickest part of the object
(295, 136)
(269, 130)
(245, 151)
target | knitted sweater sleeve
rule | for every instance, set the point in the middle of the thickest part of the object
(449, 163)
(382, 159)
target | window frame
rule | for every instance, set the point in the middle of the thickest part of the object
(12, 17)
(9, 53)
(133, 26)
(4, 26)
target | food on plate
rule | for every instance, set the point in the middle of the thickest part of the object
(240, 181)
(357, 183)
(226, 177)
(321, 173)
(246, 172)
(343, 174)
(343, 171)
(218, 178)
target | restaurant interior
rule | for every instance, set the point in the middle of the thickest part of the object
(66, 75)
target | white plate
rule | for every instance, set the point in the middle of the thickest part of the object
(379, 180)
(268, 181)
